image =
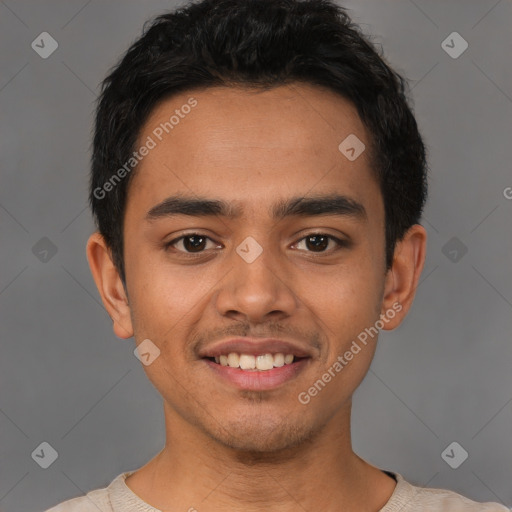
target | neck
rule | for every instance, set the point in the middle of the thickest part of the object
(194, 471)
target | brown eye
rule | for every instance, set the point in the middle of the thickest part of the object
(193, 243)
(319, 242)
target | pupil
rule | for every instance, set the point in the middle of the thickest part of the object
(322, 244)
(192, 246)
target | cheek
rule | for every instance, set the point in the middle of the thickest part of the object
(344, 304)
(165, 302)
(158, 285)
(348, 294)
(344, 313)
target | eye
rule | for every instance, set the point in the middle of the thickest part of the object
(190, 243)
(319, 242)
(196, 243)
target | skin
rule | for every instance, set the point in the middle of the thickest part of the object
(229, 449)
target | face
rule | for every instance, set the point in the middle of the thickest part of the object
(289, 259)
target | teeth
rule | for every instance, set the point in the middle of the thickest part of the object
(265, 362)
(278, 360)
(233, 360)
(250, 362)
(247, 362)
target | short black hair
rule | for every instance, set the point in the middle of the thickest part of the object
(262, 44)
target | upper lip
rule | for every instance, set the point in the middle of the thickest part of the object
(255, 346)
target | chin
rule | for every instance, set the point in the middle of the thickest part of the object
(259, 437)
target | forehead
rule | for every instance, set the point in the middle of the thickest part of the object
(249, 143)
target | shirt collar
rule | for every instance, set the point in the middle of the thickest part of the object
(123, 499)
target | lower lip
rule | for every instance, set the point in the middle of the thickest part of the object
(258, 380)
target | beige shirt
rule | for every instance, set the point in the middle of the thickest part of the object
(118, 497)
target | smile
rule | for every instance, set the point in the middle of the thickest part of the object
(257, 373)
(249, 362)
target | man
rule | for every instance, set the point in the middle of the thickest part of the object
(257, 181)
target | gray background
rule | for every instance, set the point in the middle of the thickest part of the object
(442, 376)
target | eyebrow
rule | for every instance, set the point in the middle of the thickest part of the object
(333, 204)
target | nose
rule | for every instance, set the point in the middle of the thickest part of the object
(257, 291)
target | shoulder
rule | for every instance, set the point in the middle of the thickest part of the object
(410, 498)
(94, 501)
(449, 501)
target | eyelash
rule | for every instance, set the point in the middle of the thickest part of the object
(340, 243)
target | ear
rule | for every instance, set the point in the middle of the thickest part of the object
(109, 284)
(403, 276)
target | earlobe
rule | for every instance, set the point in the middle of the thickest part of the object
(109, 284)
(403, 276)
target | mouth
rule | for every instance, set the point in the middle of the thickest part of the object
(257, 372)
(255, 363)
